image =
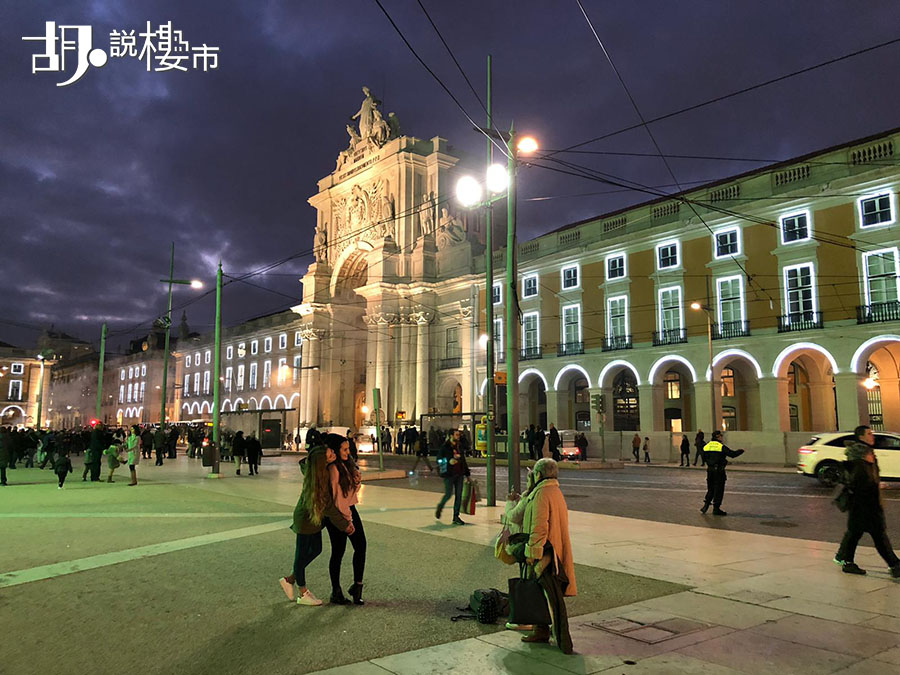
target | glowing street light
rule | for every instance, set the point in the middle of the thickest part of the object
(497, 178)
(196, 283)
(527, 145)
(468, 191)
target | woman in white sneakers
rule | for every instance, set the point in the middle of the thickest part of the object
(315, 504)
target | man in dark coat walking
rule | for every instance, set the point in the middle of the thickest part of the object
(555, 443)
(685, 451)
(99, 443)
(699, 442)
(716, 457)
(866, 512)
(159, 444)
(254, 452)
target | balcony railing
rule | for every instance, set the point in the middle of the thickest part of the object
(569, 348)
(529, 353)
(451, 362)
(799, 321)
(730, 329)
(612, 343)
(669, 336)
(878, 312)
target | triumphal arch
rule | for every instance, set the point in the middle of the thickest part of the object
(391, 301)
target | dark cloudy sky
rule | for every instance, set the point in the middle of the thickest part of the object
(98, 177)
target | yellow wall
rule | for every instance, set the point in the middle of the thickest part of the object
(839, 288)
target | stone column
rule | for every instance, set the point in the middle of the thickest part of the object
(822, 407)
(423, 363)
(553, 410)
(650, 400)
(405, 393)
(773, 404)
(311, 403)
(371, 346)
(382, 362)
(852, 404)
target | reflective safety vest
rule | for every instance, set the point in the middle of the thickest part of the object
(713, 446)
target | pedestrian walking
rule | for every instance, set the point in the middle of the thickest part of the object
(545, 518)
(253, 450)
(237, 451)
(647, 449)
(354, 452)
(685, 451)
(345, 481)
(636, 446)
(581, 443)
(555, 443)
(401, 437)
(421, 447)
(160, 441)
(453, 469)
(316, 503)
(866, 510)
(62, 467)
(5, 451)
(716, 455)
(530, 434)
(699, 442)
(112, 460)
(132, 444)
(147, 443)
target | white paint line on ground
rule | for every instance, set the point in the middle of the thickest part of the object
(280, 514)
(26, 576)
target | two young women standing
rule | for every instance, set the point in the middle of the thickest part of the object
(328, 500)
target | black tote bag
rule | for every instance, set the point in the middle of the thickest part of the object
(527, 603)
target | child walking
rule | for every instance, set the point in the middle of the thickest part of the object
(62, 467)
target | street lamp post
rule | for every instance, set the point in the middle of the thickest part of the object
(217, 367)
(100, 372)
(712, 379)
(168, 322)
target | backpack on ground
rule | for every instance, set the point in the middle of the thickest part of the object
(486, 605)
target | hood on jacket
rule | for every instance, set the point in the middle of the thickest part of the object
(857, 449)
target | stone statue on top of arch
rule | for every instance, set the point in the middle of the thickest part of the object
(374, 129)
(320, 243)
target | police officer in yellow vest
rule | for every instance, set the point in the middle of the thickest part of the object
(716, 456)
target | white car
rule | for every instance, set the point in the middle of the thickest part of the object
(821, 457)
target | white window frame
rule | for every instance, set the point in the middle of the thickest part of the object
(282, 367)
(527, 278)
(239, 380)
(254, 347)
(197, 382)
(660, 324)
(143, 370)
(672, 242)
(609, 331)
(498, 338)
(456, 351)
(794, 214)
(229, 371)
(295, 374)
(128, 394)
(282, 341)
(537, 329)
(812, 281)
(122, 374)
(19, 369)
(719, 282)
(196, 358)
(616, 256)
(267, 344)
(185, 390)
(865, 265)
(207, 357)
(298, 339)
(497, 298)
(727, 230)
(242, 350)
(267, 374)
(253, 376)
(130, 372)
(206, 381)
(20, 396)
(887, 192)
(562, 277)
(141, 399)
(229, 352)
(562, 324)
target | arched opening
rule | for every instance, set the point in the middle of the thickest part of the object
(807, 396)
(738, 394)
(877, 367)
(449, 397)
(532, 400)
(12, 416)
(573, 400)
(625, 402)
(673, 393)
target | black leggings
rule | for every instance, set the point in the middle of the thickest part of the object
(307, 549)
(339, 545)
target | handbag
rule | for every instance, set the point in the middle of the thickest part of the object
(841, 497)
(527, 604)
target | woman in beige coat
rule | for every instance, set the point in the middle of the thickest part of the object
(545, 518)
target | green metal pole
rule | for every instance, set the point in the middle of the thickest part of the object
(489, 315)
(217, 366)
(165, 370)
(376, 401)
(512, 323)
(100, 371)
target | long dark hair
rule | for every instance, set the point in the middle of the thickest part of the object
(348, 474)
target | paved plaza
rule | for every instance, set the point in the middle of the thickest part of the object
(179, 574)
